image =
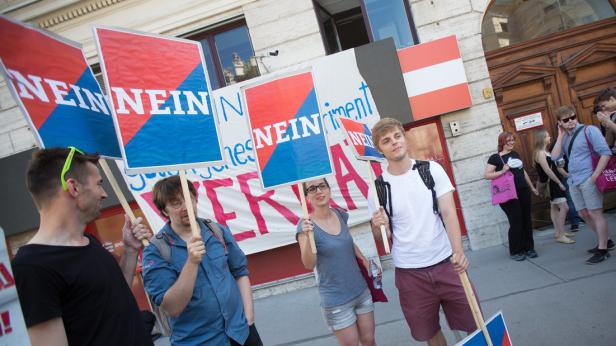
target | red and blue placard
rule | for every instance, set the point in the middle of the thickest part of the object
(161, 100)
(496, 328)
(56, 90)
(287, 130)
(360, 137)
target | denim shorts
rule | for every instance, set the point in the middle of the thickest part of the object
(341, 316)
(586, 196)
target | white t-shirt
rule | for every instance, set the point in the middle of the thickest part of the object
(419, 237)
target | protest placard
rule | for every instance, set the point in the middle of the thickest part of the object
(161, 102)
(287, 130)
(56, 90)
(360, 138)
(497, 329)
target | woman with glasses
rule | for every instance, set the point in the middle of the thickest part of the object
(345, 298)
(521, 244)
(557, 191)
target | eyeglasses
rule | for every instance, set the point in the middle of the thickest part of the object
(178, 203)
(566, 120)
(67, 166)
(313, 189)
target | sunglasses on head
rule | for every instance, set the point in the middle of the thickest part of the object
(568, 119)
(67, 166)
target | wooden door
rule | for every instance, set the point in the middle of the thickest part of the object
(538, 76)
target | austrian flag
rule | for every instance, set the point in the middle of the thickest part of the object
(435, 78)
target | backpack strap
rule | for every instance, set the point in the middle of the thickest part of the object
(383, 192)
(423, 167)
(216, 232)
(577, 132)
(162, 244)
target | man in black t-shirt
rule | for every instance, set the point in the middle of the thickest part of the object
(71, 290)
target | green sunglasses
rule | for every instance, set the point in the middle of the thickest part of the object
(67, 166)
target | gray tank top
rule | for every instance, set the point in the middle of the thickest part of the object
(340, 279)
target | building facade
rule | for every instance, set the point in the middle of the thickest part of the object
(247, 38)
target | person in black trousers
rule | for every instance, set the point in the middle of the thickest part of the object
(521, 244)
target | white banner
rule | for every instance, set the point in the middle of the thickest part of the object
(231, 195)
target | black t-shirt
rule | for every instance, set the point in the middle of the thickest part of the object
(82, 284)
(518, 172)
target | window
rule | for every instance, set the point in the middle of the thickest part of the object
(228, 54)
(509, 22)
(390, 19)
(351, 23)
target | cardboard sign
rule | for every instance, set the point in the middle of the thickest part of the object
(56, 90)
(496, 328)
(360, 138)
(12, 326)
(161, 102)
(287, 130)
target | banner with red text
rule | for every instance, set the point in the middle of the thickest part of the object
(231, 193)
(12, 326)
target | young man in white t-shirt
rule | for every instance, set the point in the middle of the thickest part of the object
(427, 251)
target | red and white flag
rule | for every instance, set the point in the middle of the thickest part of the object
(435, 78)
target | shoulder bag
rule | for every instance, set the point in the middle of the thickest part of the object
(503, 187)
(606, 181)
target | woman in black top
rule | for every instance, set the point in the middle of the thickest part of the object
(548, 172)
(521, 244)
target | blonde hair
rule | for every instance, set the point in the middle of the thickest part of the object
(539, 144)
(384, 126)
(564, 111)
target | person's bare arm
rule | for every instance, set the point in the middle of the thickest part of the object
(530, 184)
(447, 207)
(558, 146)
(243, 283)
(132, 234)
(491, 173)
(308, 258)
(543, 162)
(50, 332)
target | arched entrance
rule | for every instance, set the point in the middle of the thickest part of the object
(543, 54)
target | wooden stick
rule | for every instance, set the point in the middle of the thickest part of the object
(189, 206)
(118, 192)
(302, 197)
(472, 300)
(372, 187)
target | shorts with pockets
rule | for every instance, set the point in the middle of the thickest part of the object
(344, 315)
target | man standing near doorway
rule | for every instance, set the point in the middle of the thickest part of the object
(427, 247)
(71, 290)
(206, 293)
(587, 198)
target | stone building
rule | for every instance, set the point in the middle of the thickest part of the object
(521, 57)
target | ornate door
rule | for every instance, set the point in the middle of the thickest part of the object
(539, 75)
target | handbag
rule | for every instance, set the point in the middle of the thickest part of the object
(606, 181)
(503, 188)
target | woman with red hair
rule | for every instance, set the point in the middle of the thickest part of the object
(521, 244)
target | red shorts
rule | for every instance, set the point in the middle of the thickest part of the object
(423, 290)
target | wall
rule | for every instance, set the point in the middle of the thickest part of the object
(480, 124)
(290, 26)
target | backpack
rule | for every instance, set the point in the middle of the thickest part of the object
(164, 248)
(383, 190)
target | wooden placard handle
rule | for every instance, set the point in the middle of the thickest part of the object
(118, 192)
(302, 197)
(372, 187)
(472, 301)
(189, 206)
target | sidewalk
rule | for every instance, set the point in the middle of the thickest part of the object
(555, 299)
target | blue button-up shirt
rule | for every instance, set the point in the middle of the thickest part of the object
(580, 160)
(215, 311)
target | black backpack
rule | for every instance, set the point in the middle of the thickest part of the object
(383, 190)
